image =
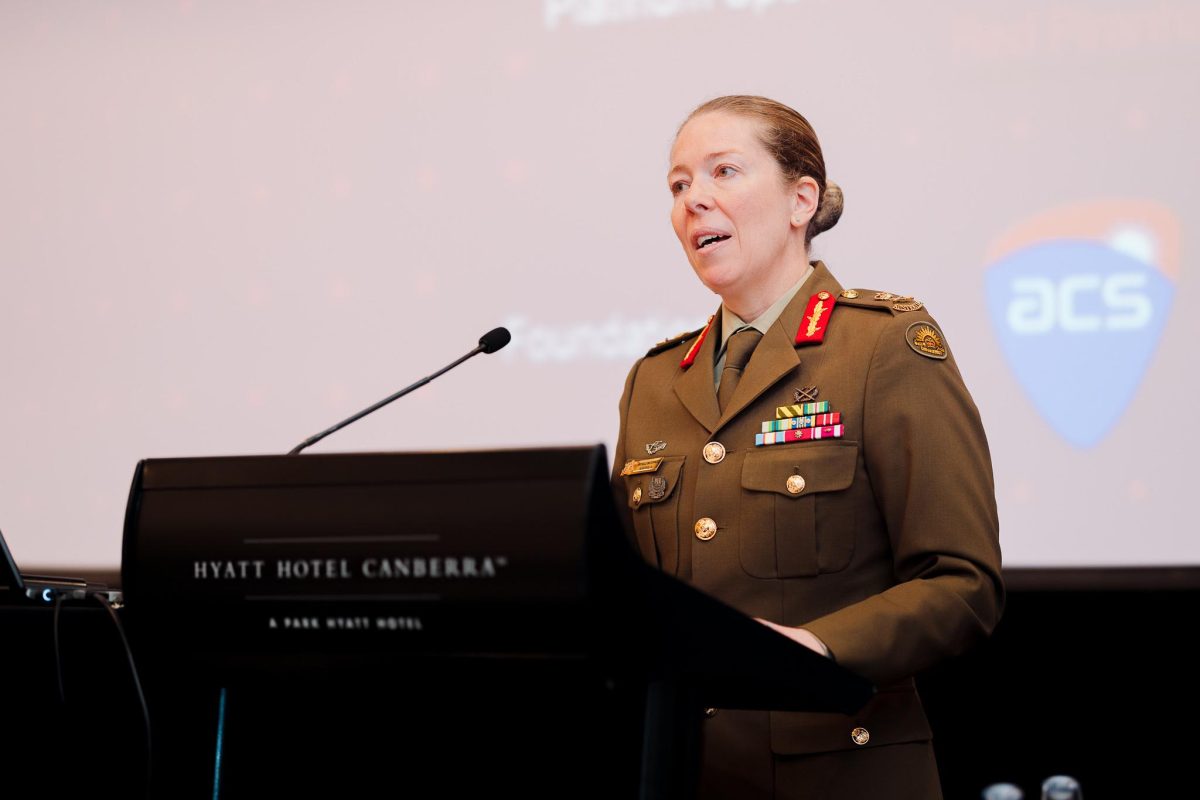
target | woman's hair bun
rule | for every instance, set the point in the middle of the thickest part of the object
(829, 210)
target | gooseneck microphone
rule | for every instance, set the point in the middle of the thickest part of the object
(490, 342)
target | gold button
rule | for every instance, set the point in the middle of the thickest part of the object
(710, 712)
(849, 294)
(705, 529)
(795, 484)
(637, 495)
(860, 736)
(714, 452)
(822, 295)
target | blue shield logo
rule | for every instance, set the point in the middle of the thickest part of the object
(1078, 321)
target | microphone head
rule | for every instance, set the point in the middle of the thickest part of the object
(1061, 787)
(1003, 791)
(494, 339)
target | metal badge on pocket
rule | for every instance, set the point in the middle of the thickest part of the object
(658, 487)
(635, 467)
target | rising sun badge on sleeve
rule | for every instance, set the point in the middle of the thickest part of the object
(926, 340)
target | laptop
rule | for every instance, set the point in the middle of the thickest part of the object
(16, 588)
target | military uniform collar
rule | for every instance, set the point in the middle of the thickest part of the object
(775, 357)
(731, 322)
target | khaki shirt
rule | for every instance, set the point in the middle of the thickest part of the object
(731, 323)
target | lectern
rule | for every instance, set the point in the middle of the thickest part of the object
(488, 601)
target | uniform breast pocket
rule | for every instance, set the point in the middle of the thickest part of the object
(654, 499)
(796, 517)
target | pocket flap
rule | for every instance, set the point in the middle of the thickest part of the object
(888, 718)
(823, 467)
(654, 487)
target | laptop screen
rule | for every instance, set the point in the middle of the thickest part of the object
(10, 579)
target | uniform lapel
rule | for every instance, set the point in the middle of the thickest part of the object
(694, 386)
(776, 355)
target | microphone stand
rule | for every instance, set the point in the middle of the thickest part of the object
(318, 437)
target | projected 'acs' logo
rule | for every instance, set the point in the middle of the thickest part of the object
(1079, 297)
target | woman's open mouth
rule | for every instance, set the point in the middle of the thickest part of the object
(706, 240)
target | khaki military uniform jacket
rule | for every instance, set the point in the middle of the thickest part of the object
(890, 552)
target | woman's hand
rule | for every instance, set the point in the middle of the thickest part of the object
(799, 635)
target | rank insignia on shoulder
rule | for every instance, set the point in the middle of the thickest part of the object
(889, 300)
(870, 299)
(635, 467)
(925, 339)
(907, 304)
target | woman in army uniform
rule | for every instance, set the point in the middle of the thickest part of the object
(823, 467)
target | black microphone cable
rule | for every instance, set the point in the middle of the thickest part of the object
(58, 664)
(137, 681)
(59, 599)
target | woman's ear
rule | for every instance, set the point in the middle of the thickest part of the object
(805, 197)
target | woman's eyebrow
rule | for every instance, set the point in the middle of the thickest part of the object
(709, 157)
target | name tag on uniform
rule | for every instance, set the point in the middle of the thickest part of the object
(639, 467)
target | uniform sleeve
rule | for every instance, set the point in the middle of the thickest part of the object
(618, 484)
(927, 458)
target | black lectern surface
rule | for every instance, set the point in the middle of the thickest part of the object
(465, 553)
(448, 572)
(256, 560)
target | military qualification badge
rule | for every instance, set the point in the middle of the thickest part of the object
(806, 394)
(639, 467)
(658, 487)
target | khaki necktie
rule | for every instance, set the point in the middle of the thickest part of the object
(737, 353)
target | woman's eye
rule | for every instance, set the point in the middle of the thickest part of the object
(677, 187)
(725, 171)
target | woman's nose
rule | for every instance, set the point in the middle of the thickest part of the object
(697, 198)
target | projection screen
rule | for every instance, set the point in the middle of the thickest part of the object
(228, 225)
